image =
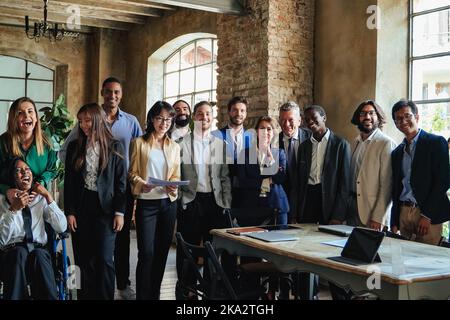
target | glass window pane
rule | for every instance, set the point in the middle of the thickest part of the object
(203, 78)
(431, 33)
(431, 78)
(203, 96)
(12, 67)
(11, 89)
(187, 81)
(173, 64)
(171, 100)
(4, 108)
(215, 50)
(435, 118)
(214, 75)
(188, 98)
(422, 5)
(214, 96)
(204, 51)
(188, 56)
(171, 84)
(40, 90)
(39, 72)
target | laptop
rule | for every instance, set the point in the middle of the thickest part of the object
(361, 247)
(339, 229)
(272, 236)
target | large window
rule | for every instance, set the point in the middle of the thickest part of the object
(430, 63)
(190, 73)
(19, 78)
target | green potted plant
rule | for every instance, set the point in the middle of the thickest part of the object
(57, 122)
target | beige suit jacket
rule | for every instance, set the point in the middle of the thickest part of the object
(374, 181)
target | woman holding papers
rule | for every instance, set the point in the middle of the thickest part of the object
(94, 195)
(154, 155)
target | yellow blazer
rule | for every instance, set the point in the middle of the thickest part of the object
(139, 151)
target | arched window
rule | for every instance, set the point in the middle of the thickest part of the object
(190, 73)
(19, 78)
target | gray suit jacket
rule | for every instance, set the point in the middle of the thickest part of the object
(218, 172)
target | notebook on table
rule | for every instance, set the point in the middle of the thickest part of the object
(272, 236)
(339, 229)
(361, 247)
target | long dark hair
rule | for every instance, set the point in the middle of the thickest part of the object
(154, 111)
(380, 113)
(100, 132)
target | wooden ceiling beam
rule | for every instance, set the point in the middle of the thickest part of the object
(114, 6)
(60, 9)
(62, 18)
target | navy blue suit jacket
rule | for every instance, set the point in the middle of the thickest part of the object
(250, 180)
(430, 178)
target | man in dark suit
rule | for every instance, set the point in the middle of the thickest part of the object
(290, 118)
(421, 178)
(323, 173)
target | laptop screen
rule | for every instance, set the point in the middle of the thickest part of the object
(363, 245)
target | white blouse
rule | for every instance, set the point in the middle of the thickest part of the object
(156, 168)
(92, 162)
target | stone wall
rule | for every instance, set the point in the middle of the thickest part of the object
(267, 56)
(291, 53)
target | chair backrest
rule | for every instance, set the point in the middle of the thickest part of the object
(444, 243)
(212, 283)
(241, 217)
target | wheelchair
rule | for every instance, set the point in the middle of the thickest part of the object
(56, 245)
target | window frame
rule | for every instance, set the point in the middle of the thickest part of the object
(192, 94)
(412, 58)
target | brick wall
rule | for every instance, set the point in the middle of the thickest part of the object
(267, 56)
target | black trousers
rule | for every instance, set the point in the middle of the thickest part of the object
(21, 267)
(155, 221)
(313, 211)
(122, 249)
(196, 221)
(93, 247)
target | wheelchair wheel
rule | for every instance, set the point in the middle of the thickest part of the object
(64, 293)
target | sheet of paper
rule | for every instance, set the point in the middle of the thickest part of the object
(336, 243)
(162, 183)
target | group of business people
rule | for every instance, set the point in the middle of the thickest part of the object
(306, 174)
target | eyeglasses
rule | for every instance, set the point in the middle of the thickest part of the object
(370, 113)
(407, 117)
(161, 119)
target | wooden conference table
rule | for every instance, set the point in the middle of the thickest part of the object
(409, 270)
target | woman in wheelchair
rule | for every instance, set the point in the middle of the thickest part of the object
(25, 259)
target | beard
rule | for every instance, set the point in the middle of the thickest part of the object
(183, 120)
(362, 128)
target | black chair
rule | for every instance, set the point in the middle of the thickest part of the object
(444, 243)
(203, 277)
(275, 282)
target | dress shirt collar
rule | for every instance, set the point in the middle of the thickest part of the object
(326, 137)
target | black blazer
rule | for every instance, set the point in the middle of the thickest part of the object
(291, 185)
(430, 178)
(335, 178)
(111, 182)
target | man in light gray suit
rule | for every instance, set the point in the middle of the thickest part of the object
(208, 194)
(371, 171)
